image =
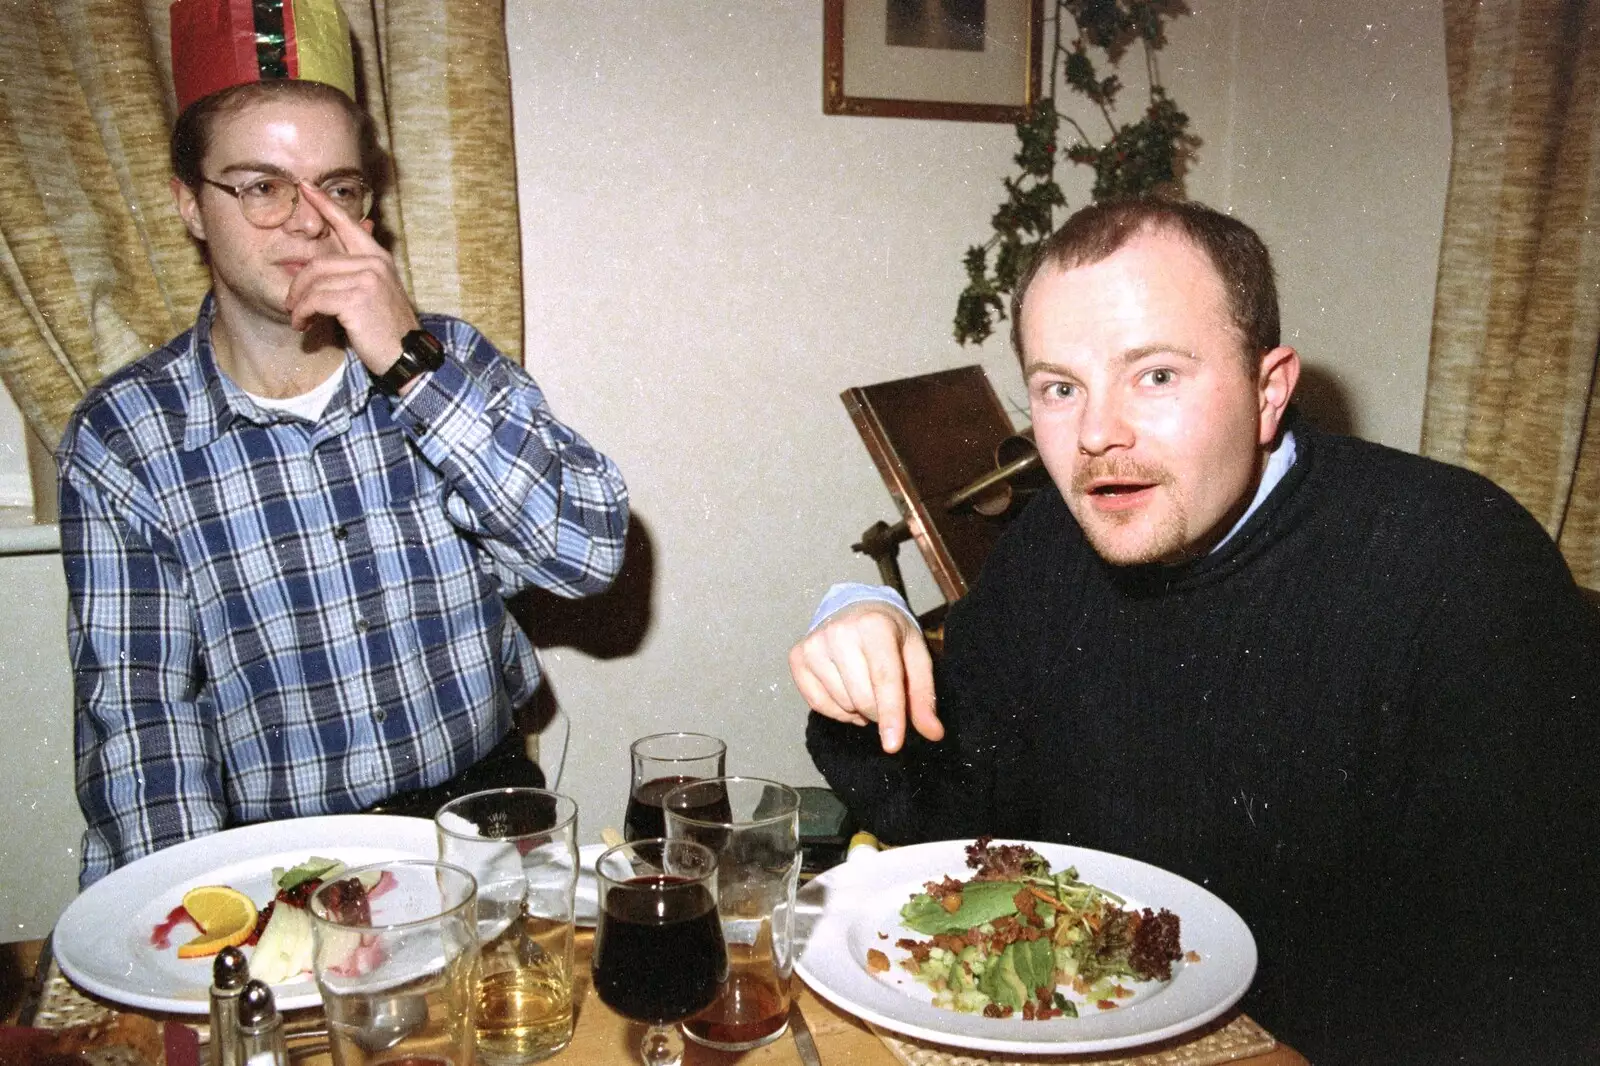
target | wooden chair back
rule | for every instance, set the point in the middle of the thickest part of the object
(930, 436)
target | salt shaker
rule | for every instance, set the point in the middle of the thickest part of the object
(260, 1031)
(229, 972)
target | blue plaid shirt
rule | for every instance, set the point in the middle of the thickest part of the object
(271, 618)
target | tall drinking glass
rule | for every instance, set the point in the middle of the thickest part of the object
(754, 827)
(661, 763)
(522, 846)
(395, 946)
(658, 953)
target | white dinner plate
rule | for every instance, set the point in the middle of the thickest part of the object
(844, 911)
(102, 940)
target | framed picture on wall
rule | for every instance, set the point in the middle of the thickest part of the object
(973, 60)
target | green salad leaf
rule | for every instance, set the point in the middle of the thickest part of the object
(992, 956)
(981, 901)
(312, 868)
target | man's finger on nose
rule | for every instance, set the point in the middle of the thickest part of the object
(354, 238)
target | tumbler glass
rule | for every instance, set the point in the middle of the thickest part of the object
(753, 825)
(395, 947)
(521, 844)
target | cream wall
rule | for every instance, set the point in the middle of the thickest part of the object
(1335, 143)
(39, 837)
(709, 260)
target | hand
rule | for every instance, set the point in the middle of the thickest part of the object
(868, 663)
(359, 287)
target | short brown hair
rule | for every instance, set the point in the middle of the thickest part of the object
(191, 134)
(1237, 253)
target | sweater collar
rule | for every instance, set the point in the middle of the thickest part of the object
(1285, 472)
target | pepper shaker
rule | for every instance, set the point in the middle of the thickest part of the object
(229, 972)
(261, 1041)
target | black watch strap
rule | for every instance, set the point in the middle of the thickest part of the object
(420, 352)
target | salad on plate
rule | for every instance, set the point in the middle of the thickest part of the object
(1016, 939)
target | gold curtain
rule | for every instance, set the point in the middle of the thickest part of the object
(1516, 327)
(98, 269)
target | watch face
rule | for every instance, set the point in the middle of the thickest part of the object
(420, 352)
(425, 347)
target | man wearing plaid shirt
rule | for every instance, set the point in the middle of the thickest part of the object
(288, 534)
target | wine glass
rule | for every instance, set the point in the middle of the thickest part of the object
(658, 950)
(662, 762)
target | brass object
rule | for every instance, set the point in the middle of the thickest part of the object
(927, 434)
(991, 495)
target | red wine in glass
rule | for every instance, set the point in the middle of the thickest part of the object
(658, 950)
(645, 819)
(658, 955)
(660, 763)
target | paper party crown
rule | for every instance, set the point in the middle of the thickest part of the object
(217, 44)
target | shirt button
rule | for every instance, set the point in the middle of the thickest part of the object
(380, 715)
(339, 532)
(362, 625)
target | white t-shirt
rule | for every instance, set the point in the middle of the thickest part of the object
(307, 405)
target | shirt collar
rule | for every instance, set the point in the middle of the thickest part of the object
(215, 400)
(1278, 463)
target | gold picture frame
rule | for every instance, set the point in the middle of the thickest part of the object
(967, 60)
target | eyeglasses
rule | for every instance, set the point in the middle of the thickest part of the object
(268, 202)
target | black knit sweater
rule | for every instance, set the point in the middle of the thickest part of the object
(1367, 724)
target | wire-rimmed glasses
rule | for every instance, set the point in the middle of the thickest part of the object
(268, 201)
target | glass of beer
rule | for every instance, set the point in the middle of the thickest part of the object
(522, 846)
(394, 948)
(753, 825)
(662, 762)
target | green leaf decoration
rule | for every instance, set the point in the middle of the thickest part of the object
(1137, 158)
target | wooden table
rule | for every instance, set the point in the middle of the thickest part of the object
(604, 1038)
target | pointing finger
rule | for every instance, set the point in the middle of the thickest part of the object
(920, 690)
(352, 235)
(888, 687)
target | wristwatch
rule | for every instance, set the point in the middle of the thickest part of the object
(420, 352)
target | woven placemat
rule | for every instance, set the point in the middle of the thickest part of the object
(1238, 1037)
(63, 1006)
(97, 1032)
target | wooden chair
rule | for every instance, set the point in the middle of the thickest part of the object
(954, 466)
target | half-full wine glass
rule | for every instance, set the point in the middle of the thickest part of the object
(662, 762)
(658, 950)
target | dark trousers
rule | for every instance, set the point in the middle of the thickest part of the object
(506, 766)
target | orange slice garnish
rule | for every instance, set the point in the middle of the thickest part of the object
(226, 917)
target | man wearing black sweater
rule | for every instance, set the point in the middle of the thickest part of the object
(1350, 691)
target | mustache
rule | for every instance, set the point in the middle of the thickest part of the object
(1117, 470)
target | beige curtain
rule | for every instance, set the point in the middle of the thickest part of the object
(97, 268)
(1516, 329)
